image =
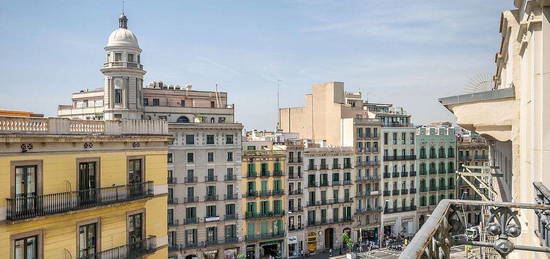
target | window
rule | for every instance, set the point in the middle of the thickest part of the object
(145, 101)
(182, 103)
(230, 232)
(385, 138)
(212, 104)
(118, 96)
(211, 234)
(189, 139)
(210, 139)
(229, 156)
(118, 56)
(190, 157)
(229, 139)
(87, 240)
(191, 213)
(131, 58)
(211, 211)
(135, 231)
(156, 102)
(28, 247)
(230, 209)
(210, 156)
(191, 236)
(170, 158)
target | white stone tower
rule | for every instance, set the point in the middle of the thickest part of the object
(123, 74)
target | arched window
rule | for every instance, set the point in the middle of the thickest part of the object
(442, 184)
(422, 152)
(451, 167)
(441, 152)
(432, 168)
(423, 201)
(423, 184)
(450, 152)
(212, 120)
(183, 119)
(432, 200)
(432, 152)
(422, 168)
(441, 167)
(432, 184)
(451, 183)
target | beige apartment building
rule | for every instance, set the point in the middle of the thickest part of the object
(329, 191)
(204, 172)
(368, 159)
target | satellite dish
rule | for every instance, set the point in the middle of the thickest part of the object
(480, 83)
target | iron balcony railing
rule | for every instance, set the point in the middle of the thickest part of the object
(312, 184)
(367, 163)
(265, 174)
(396, 158)
(328, 222)
(203, 244)
(386, 175)
(266, 214)
(278, 173)
(296, 192)
(336, 166)
(446, 227)
(211, 197)
(32, 206)
(250, 194)
(191, 199)
(296, 227)
(251, 174)
(135, 249)
(296, 209)
(395, 192)
(395, 174)
(190, 179)
(404, 191)
(212, 178)
(230, 177)
(312, 167)
(412, 190)
(412, 173)
(404, 174)
(368, 210)
(172, 180)
(252, 238)
(347, 182)
(229, 197)
(231, 217)
(387, 193)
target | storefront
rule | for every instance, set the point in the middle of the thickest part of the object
(210, 254)
(251, 252)
(312, 242)
(230, 253)
(272, 249)
(292, 242)
(370, 234)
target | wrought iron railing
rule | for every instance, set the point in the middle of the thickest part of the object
(446, 227)
(133, 250)
(47, 204)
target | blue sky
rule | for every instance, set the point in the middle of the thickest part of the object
(407, 53)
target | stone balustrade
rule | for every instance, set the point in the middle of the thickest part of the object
(62, 126)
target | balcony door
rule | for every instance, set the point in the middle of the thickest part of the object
(88, 239)
(26, 187)
(87, 182)
(135, 177)
(135, 231)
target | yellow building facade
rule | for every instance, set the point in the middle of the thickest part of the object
(82, 189)
(264, 202)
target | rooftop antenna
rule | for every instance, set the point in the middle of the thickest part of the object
(123, 7)
(278, 106)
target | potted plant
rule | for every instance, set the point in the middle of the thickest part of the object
(348, 243)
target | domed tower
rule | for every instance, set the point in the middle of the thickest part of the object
(123, 74)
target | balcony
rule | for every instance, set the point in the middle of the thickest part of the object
(122, 64)
(347, 182)
(367, 210)
(251, 174)
(188, 221)
(433, 171)
(336, 166)
(278, 173)
(250, 194)
(231, 217)
(265, 174)
(312, 167)
(137, 249)
(395, 192)
(195, 245)
(191, 199)
(212, 178)
(412, 173)
(323, 184)
(328, 222)
(404, 174)
(387, 193)
(230, 178)
(267, 214)
(444, 229)
(412, 191)
(399, 158)
(296, 192)
(386, 175)
(172, 180)
(190, 179)
(323, 167)
(495, 107)
(229, 197)
(347, 166)
(395, 174)
(481, 157)
(423, 172)
(296, 227)
(296, 209)
(367, 163)
(252, 238)
(312, 184)
(49, 204)
(404, 191)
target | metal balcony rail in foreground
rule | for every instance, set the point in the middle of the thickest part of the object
(47, 204)
(446, 228)
(133, 250)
